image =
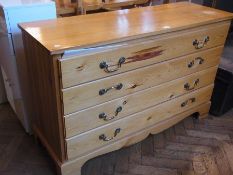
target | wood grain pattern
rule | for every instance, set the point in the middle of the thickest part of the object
(80, 68)
(136, 80)
(73, 167)
(88, 119)
(51, 44)
(89, 141)
(165, 154)
(92, 30)
(89, 5)
(47, 121)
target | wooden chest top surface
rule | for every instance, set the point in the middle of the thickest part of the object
(105, 28)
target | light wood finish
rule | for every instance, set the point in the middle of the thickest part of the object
(73, 167)
(66, 11)
(63, 56)
(136, 80)
(163, 150)
(47, 121)
(92, 30)
(86, 67)
(90, 141)
(66, 8)
(88, 119)
(89, 5)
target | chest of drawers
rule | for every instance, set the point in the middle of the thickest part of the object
(101, 82)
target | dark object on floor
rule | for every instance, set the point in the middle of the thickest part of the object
(222, 98)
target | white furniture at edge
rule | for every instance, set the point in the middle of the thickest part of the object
(13, 12)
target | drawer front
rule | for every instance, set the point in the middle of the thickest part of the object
(71, 167)
(91, 118)
(94, 139)
(79, 69)
(97, 92)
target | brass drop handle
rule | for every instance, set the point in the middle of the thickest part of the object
(107, 68)
(104, 91)
(200, 44)
(188, 87)
(198, 60)
(191, 100)
(105, 138)
(105, 117)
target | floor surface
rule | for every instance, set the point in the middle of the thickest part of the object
(192, 147)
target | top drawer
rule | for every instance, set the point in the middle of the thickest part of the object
(94, 63)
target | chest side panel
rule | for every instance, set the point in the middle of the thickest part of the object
(44, 97)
